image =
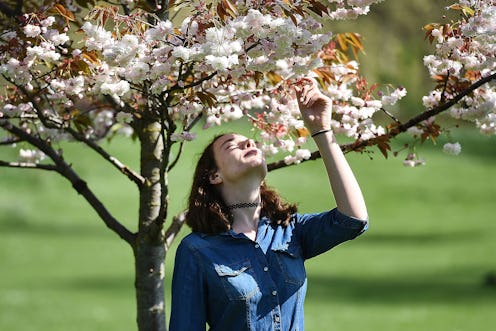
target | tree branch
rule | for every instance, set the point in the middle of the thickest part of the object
(178, 156)
(439, 109)
(165, 135)
(10, 142)
(360, 144)
(445, 87)
(198, 82)
(188, 127)
(193, 122)
(78, 184)
(173, 230)
(28, 165)
(131, 174)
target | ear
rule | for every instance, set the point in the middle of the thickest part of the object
(215, 178)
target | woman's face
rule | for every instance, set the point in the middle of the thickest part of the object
(237, 156)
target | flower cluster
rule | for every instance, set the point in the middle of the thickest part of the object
(354, 103)
(465, 52)
(234, 60)
(351, 9)
(249, 58)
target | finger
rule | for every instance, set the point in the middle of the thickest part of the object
(312, 97)
(304, 81)
(292, 94)
(301, 83)
(305, 93)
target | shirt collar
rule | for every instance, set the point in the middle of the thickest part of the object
(230, 233)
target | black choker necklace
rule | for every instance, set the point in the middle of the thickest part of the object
(244, 205)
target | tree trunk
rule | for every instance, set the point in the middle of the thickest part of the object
(149, 262)
(149, 248)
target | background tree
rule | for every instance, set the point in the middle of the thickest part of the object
(156, 71)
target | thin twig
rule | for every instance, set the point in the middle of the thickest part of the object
(391, 116)
(176, 159)
(187, 128)
(165, 133)
(130, 173)
(174, 228)
(193, 122)
(443, 93)
(10, 142)
(28, 165)
(198, 82)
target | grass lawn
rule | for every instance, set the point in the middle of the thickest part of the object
(421, 265)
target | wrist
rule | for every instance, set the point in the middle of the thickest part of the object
(320, 132)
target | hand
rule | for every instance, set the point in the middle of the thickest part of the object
(315, 107)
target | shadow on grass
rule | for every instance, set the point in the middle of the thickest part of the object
(93, 283)
(414, 290)
(13, 222)
(420, 238)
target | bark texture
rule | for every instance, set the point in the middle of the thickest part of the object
(149, 248)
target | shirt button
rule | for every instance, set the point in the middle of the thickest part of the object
(266, 269)
(277, 318)
(274, 292)
(257, 245)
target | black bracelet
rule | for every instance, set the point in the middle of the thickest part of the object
(321, 131)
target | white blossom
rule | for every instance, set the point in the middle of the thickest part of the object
(452, 148)
(118, 88)
(31, 155)
(31, 30)
(47, 22)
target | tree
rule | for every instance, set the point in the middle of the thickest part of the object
(156, 70)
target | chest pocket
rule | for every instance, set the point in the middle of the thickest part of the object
(237, 280)
(291, 263)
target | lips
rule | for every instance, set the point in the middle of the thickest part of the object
(251, 152)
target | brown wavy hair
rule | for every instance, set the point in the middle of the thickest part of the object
(207, 212)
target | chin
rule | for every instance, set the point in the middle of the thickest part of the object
(263, 169)
(260, 168)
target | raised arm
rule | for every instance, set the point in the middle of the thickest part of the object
(316, 110)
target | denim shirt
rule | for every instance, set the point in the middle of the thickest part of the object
(229, 282)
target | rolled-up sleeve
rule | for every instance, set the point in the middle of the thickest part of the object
(188, 308)
(320, 232)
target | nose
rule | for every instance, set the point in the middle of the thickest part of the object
(249, 143)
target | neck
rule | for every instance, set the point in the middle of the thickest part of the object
(245, 219)
(240, 192)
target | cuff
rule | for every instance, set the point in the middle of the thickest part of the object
(350, 222)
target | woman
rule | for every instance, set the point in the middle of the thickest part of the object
(242, 267)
